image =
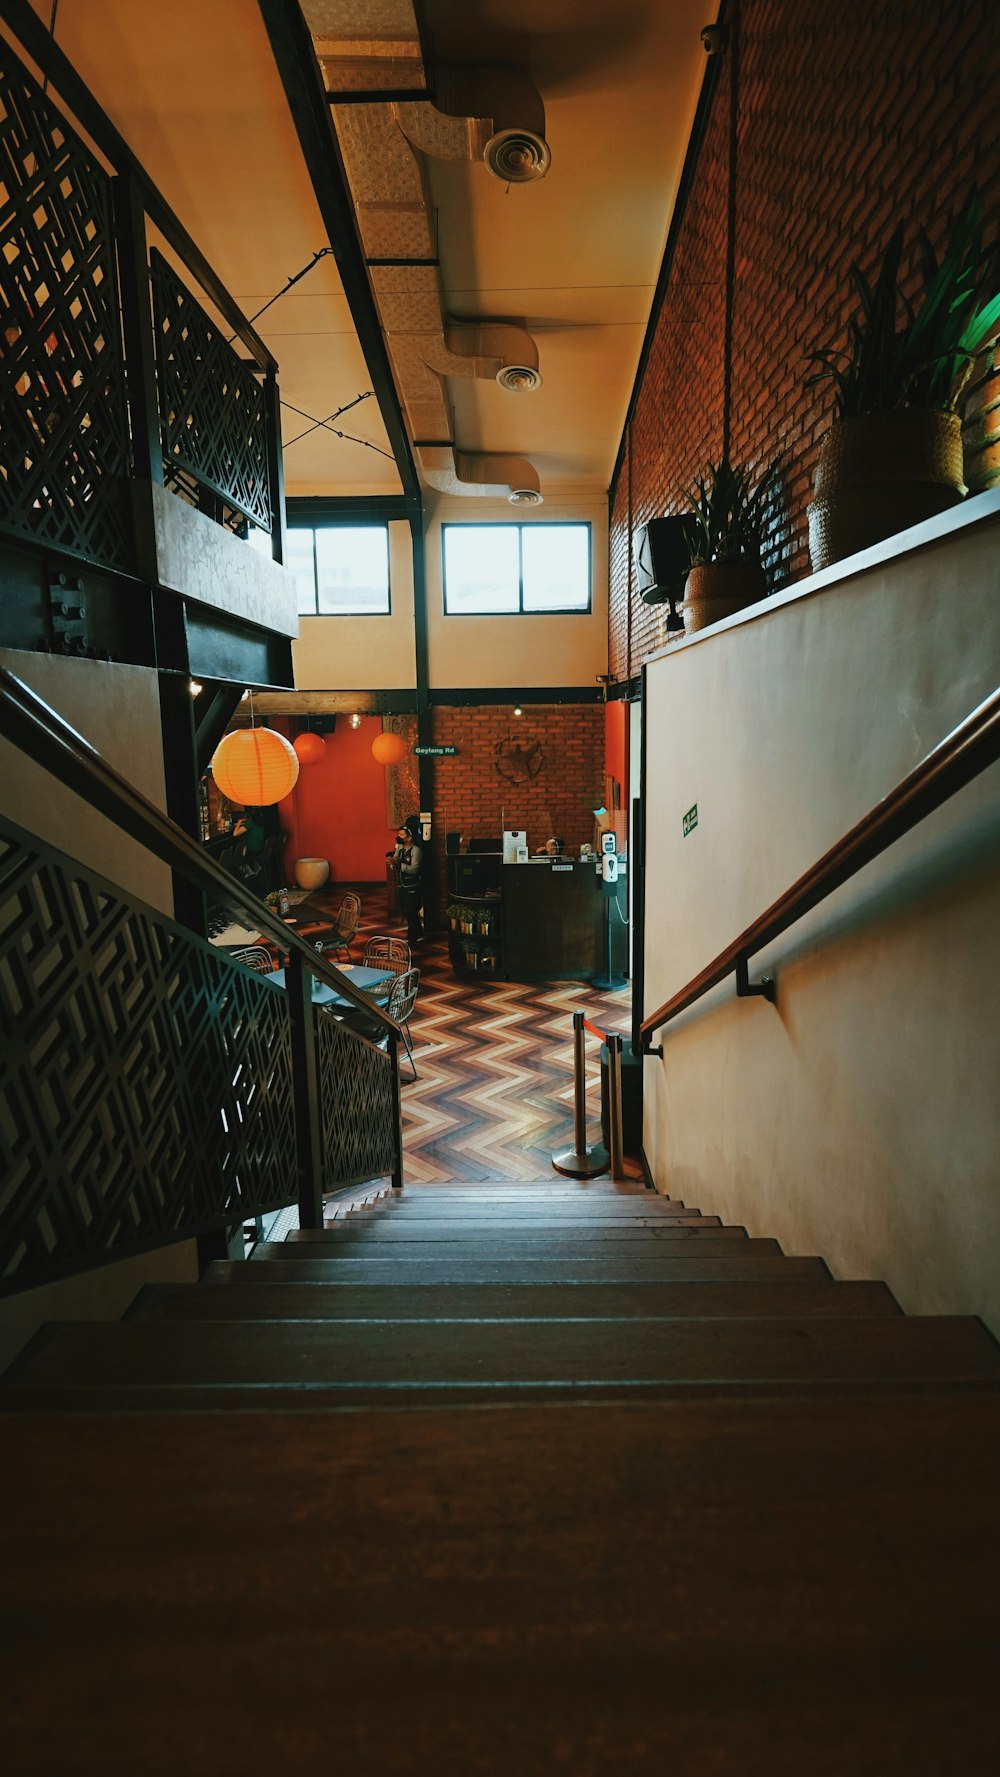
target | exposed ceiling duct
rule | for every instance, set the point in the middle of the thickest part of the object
(457, 113)
(489, 114)
(490, 475)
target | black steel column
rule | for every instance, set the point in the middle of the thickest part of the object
(306, 1094)
(425, 737)
(275, 465)
(137, 328)
(180, 770)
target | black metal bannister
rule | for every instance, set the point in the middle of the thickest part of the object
(151, 1089)
(111, 370)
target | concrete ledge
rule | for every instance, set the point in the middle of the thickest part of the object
(190, 554)
(979, 510)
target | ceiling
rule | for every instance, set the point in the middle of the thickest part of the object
(571, 258)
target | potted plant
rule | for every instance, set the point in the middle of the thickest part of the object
(894, 453)
(725, 574)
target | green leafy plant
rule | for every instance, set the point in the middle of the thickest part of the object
(730, 511)
(905, 354)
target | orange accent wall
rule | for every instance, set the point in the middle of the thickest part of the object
(616, 744)
(337, 808)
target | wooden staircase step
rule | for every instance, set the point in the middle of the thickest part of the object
(499, 1227)
(717, 1261)
(502, 1355)
(527, 1585)
(386, 1233)
(574, 1216)
(423, 1301)
(569, 1246)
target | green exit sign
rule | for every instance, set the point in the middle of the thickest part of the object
(690, 821)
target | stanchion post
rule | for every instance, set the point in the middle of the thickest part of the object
(615, 1105)
(580, 1161)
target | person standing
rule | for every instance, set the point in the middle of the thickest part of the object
(408, 855)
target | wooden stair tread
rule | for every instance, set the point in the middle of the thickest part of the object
(477, 1234)
(717, 1260)
(637, 1209)
(308, 1301)
(500, 1353)
(838, 1614)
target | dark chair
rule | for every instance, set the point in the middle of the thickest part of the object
(345, 926)
(390, 954)
(400, 1004)
(255, 956)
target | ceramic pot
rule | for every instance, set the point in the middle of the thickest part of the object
(720, 589)
(880, 473)
(312, 873)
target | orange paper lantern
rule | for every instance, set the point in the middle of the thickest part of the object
(309, 748)
(388, 749)
(254, 767)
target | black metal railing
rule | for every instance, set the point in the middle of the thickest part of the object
(111, 370)
(150, 1088)
(947, 768)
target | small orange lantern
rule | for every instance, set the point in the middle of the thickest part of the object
(388, 749)
(254, 767)
(309, 748)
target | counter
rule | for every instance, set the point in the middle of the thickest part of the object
(555, 920)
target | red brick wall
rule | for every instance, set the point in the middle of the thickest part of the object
(851, 117)
(469, 791)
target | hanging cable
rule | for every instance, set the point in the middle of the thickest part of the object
(734, 116)
(286, 286)
(348, 437)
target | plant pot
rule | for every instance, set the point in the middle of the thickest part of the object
(720, 589)
(311, 873)
(880, 473)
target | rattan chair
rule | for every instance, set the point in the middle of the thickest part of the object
(255, 956)
(390, 954)
(400, 1004)
(345, 925)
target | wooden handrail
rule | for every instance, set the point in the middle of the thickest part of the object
(27, 721)
(953, 763)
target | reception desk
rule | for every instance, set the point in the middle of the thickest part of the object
(555, 921)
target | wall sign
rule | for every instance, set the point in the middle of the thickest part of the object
(690, 821)
(435, 752)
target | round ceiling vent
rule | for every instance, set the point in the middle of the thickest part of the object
(517, 156)
(518, 378)
(524, 496)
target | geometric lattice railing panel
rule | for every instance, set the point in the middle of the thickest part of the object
(212, 412)
(145, 1080)
(358, 1106)
(64, 438)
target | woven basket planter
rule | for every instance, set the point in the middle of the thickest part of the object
(719, 590)
(880, 473)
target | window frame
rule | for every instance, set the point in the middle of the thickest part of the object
(520, 526)
(379, 524)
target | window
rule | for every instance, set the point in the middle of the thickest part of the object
(514, 568)
(340, 570)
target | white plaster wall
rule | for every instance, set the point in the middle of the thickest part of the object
(363, 653)
(860, 1118)
(523, 651)
(117, 709)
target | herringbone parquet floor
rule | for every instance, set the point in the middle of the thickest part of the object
(494, 1093)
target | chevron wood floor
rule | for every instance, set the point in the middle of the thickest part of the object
(494, 1096)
